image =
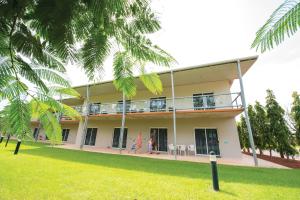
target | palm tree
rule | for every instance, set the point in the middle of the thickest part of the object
(124, 81)
(37, 38)
(284, 21)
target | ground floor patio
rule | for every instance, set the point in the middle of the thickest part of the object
(244, 160)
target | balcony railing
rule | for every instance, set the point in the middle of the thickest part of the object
(196, 102)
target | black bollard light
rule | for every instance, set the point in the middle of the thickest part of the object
(1, 139)
(8, 137)
(214, 171)
(17, 147)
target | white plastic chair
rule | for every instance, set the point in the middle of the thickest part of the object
(191, 148)
(171, 148)
(182, 148)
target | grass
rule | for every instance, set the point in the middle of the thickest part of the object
(42, 172)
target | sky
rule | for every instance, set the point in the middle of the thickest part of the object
(196, 32)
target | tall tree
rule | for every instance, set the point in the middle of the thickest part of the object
(295, 115)
(284, 21)
(243, 134)
(278, 126)
(256, 124)
(264, 139)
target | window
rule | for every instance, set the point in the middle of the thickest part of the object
(36, 133)
(158, 104)
(65, 134)
(203, 101)
(94, 108)
(120, 106)
(207, 141)
(116, 138)
(90, 137)
(159, 139)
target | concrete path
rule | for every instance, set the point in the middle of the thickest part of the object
(245, 160)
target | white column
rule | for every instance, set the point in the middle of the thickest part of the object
(123, 123)
(246, 113)
(174, 116)
(81, 132)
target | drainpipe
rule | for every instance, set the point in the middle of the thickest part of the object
(86, 116)
(174, 116)
(246, 113)
(123, 123)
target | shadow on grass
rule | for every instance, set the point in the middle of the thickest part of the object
(247, 175)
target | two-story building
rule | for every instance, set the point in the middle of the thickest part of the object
(204, 104)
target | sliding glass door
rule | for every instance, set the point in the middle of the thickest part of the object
(116, 138)
(204, 101)
(90, 137)
(160, 138)
(207, 141)
(65, 134)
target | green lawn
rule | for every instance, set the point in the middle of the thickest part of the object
(41, 172)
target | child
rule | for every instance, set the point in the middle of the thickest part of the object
(150, 145)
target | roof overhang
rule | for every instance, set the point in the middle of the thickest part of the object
(211, 72)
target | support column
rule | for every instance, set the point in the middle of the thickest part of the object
(123, 123)
(174, 116)
(246, 113)
(82, 128)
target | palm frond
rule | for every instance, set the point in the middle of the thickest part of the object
(50, 75)
(57, 90)
(27, 72)
(51, 127)
(284, 21)
(152, 82)
(123, 75)
(94, 52)
(13, 88)
(19, 117)
(5, 66)
(142, 49)
(70, 112)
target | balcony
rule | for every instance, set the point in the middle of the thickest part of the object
(199, 103)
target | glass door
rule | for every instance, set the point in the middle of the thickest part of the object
(204, 101)
(207, 141)
(90, 137)
(36, 133)
(212, 141)
(158, 104)
(201, 143)
(160, 138)
(116, 138)
(65, 134)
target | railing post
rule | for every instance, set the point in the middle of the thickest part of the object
(246, 113)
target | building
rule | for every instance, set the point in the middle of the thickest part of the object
(205, 111)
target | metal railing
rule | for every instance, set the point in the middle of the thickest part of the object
(196, 102)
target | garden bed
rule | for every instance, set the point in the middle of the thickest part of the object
(281, 161)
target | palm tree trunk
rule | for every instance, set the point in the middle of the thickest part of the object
(123, 123)
(1, 139)
(270, 150)
(8, 137)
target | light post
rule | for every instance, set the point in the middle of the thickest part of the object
(214, 170)
(17, 147)
(8, 137)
